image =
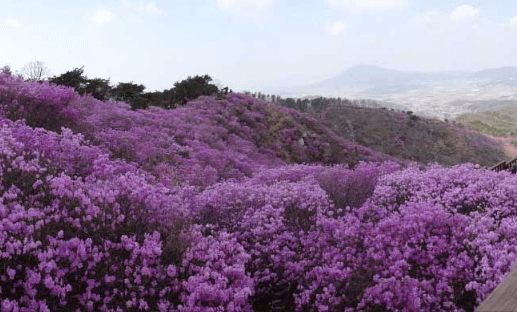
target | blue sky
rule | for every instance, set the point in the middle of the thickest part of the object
(256, 45)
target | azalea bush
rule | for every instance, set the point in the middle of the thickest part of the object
(40, 104)
(232, 205)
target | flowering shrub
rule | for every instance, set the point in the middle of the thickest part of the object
(198, 209)
(87, 242)
(454, 233)
(211, 141)
(41, 104)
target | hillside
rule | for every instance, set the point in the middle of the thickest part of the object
(232, 204)
(500, 124)
(212, 140)
(411, 137)
(497, 122)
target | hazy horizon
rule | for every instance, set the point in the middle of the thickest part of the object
(255, 45)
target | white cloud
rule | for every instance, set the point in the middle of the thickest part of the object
(464, 12)
(11, 22)
(431, 23)
(128, 10)
(102, 16)
(511, 24)
(244, 5)
(152, 8)
(336, 28)
(425, 17)
(147, 7)
(364, 6)
(247, 10)
(439, 23)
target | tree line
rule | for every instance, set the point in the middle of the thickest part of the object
(134, 94)
(129, 92)
(182, 91)
(315, 105)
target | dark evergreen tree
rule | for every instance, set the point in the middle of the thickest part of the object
(98, 88)
(161, 99)
(304, 105)
(289, 102)
(127, 91)
(73, 78)
(192, 88)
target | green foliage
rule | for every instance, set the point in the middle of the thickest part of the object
(72, 78)
(161, 99)
(497, 123)
(192, 88)
(487, 129)
(131, 93)
(99, 88)
(127, 91)
(289, 102)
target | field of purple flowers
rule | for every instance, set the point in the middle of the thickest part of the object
(232, 205)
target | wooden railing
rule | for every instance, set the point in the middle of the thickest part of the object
(504, 165)
(503, 297)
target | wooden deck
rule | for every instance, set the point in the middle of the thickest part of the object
(504, 296)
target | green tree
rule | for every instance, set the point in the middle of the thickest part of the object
(73, 78)
(127, 91)
(192, 88)
(304, 105)
(140, 102)
(160, 98)
(99, 88)
(131, 93)
(317, 104)
(289, 102)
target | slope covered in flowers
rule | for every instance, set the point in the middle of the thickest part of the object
(211, 140)
(210, 208)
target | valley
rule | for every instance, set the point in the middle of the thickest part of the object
(444, 96)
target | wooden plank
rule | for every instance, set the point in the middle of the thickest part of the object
(504, 296)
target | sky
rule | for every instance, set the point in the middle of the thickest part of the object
(255, 45)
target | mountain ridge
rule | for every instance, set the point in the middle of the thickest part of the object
(374, 76)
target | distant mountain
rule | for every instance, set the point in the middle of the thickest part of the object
(369, 76)
(501, 73)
